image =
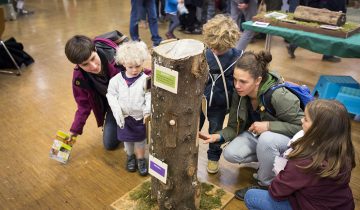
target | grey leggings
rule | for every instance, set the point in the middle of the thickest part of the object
(174, 22)
(130, 146)
(246, 148)
(249, 12)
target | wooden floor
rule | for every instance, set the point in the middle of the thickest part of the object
(38, 103)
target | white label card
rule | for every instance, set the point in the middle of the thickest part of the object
(166, 78)
(158, 169)
(261, 24)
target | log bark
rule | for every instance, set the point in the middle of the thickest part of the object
(175, 122)
(323, 16)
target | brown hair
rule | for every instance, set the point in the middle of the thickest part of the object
(255, 63)
(79, 48)
(328, 140)
(221, 33)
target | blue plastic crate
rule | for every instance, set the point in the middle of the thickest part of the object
(328, 86)
(350, 97)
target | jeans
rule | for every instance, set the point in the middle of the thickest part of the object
(152, 19)
(247, 148)
(216, 120)
(261, 199)
(110, 132)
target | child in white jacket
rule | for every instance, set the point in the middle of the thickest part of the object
(130, 103)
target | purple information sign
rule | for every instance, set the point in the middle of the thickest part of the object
(158, 169)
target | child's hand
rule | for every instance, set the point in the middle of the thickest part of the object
(120, 121)
(209, 138)
(146, 118)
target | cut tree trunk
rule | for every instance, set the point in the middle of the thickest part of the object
(174, 122)
(323, 16)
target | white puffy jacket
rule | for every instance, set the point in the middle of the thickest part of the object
(126, 101)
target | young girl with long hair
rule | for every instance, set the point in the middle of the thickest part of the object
(318, 171)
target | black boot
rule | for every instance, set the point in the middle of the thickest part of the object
(131, 163)
(331, 58)
(142, 166)
(291, 50)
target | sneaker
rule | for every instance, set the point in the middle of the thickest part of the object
(331, 58)
(213, 166)
(23, 12)
(181, 28)
(240, 194)
(254, 165)
(142, 166)
(131, 163)
(170, 35)
(195, 31)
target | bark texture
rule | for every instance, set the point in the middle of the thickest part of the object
(174, 123)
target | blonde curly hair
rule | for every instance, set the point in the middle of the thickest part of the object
(221, 33)
(133, 53)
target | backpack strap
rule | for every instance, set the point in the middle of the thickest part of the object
(108, 42)
(266, 98)
(223, 76)
(224, 81)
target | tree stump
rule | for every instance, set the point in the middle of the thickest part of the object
(323, 16)
(175, 121)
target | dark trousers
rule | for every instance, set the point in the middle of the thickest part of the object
(110, 132)
(216, 120)
(189, 21)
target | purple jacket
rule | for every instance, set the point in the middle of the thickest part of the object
(84, 97)
(309, 191)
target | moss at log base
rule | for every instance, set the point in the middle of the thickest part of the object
(142, 196)
(210, 197)
(347, 27)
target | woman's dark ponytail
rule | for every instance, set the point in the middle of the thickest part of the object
(263, 59)
(255, 63)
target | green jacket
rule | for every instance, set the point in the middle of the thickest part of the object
(287, 106)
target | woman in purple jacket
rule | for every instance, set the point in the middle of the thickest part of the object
(318, 171)
(93, 71)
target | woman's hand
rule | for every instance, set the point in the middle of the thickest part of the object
(259, 127)
(209, 138)
(72, 139)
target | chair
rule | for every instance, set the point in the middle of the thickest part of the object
(2, 29)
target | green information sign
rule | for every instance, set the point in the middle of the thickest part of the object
(166, 78)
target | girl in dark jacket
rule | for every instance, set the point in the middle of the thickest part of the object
(318, 171)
